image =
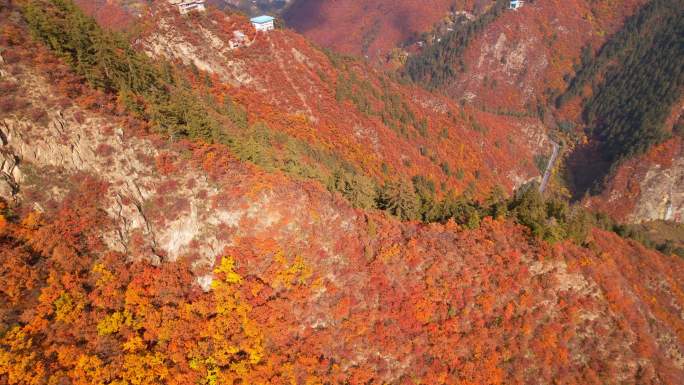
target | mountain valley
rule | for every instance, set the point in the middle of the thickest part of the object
(351, 198)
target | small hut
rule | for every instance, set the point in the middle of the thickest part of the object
(263, 23)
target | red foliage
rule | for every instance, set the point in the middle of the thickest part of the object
(308, 290)
(166, 163)
(104, 150)
(293, 88)
(349, 26)
(109, 14)
(536, 47)
(328, 302)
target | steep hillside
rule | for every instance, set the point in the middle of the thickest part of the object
(577, 54)
(648, 187)
(341, 105)
(630, 92)
(108, 229)
(521, 56)
(608, 76)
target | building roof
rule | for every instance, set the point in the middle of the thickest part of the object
(262, 19)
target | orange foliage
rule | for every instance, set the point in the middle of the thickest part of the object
(329, 300)
(293, 88)
(467, 309)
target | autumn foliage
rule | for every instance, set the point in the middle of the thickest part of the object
(438, 305)
(304, 288)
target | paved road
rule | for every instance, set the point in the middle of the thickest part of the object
(549, 167)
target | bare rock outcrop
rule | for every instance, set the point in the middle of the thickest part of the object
(649, 187)
(183, 212)
(662, 193)
(199, 45)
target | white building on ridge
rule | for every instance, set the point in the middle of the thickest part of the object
(263, 23)
(515, 4)
(187, 6)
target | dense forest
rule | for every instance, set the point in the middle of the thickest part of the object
(440, 62)
(637, 76)
(159, 94)
(179, 102)
(279, 281)
(76, 313)
(107, 62)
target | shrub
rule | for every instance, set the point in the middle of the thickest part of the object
(8, 87)
(37, 114)
(358, 189)
(399, 199)
(8, 104)
(445, 168)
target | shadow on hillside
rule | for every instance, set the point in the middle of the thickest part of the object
(304, 15)
(586, 169)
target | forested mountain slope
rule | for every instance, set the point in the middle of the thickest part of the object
(607, 75)
(377, 128)
(630, 92)
(515, 59)
(533, 60)
(113, 222)
(519, 66)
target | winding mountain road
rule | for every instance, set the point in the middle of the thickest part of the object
(549, 167)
